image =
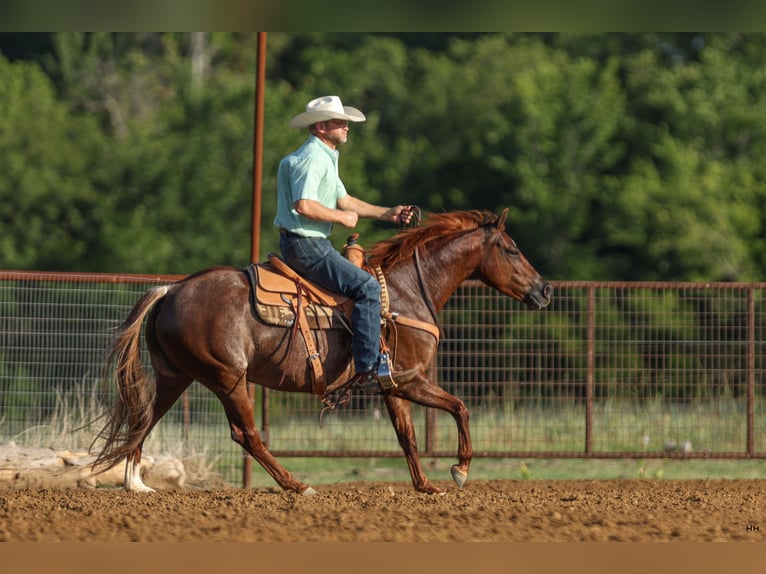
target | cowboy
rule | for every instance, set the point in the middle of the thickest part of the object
(311, 198)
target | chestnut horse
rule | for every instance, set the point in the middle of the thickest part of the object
(204, 328)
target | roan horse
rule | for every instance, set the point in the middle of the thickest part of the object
(203, 328)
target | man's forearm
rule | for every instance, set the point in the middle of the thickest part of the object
(316, 211)
(362, 208)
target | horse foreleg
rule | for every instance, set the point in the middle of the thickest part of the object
(423, 392)
(239, 411)
(401, 417)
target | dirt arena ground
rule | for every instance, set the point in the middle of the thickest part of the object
(489, 511)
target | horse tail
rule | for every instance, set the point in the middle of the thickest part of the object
(130, 417)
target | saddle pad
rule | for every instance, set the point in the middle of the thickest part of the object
(317, 316)
(276, 280)
(274, 297)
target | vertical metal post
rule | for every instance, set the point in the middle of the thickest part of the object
(260, 88)
(591, 367)
(750, 371)
(255, 233)
(187, 422)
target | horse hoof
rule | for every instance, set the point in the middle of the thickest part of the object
(142, 489)
(458, 476)
(431, 489)
(309, 491)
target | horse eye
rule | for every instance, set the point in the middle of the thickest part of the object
(508, 245)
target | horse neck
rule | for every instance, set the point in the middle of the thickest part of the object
(445, 267)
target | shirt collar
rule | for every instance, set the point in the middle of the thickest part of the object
(327, 149)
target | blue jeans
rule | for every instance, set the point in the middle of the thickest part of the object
(316, 259)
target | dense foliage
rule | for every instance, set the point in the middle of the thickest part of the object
(621, 156)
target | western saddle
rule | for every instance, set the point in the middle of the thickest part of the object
(281, 297)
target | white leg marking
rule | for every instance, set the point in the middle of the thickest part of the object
(133, 482)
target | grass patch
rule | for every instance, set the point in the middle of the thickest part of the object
(646, 431)
(318, 471)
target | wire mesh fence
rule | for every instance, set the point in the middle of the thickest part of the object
(608, 370)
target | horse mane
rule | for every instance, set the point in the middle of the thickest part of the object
(438, 226)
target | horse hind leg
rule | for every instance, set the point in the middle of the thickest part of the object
(133, 481)
(168, 391)
(239, 412)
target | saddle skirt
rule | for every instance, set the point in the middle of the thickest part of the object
(279, 291)
(283, 298)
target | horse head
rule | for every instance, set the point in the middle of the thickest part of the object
(462, 244)
(504, 267)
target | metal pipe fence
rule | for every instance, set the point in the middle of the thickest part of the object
(610, 369)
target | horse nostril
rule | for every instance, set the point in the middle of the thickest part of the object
(547, 290)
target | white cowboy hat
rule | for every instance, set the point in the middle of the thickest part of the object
(326, 108)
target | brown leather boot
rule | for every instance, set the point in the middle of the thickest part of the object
(368, 382)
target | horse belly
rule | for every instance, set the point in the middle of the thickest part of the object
(276, 364)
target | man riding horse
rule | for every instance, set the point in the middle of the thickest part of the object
(311, 198)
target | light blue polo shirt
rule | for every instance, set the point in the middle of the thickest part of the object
(310, 172)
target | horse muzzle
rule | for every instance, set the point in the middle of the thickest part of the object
(540, 296)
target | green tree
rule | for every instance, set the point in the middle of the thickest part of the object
(49, 210)
(184, 173)
(684, 206)
(621, 156)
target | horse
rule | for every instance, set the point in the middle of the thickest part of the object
(203, 328)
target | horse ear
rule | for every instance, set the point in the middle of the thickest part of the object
(501, 219)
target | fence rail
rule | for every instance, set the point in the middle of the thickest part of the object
(610, 369)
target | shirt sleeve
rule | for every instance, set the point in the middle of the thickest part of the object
(340, 190)
(305, 178)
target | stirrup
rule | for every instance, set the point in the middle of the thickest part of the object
(385, 376)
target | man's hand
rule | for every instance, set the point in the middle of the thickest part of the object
(348, 218)
(401, 214)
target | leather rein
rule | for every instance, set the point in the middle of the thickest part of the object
(426, 295)
(435, 329)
